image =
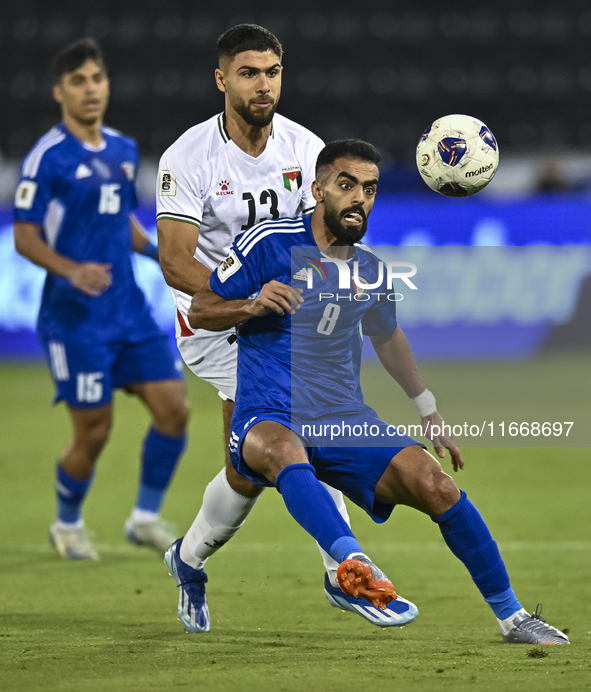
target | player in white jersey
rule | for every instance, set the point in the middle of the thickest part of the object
(221, 177)
(208, 182)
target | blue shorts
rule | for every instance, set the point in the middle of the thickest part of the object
(85, 374)
(353, 469)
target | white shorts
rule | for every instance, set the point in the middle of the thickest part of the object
(212, 358)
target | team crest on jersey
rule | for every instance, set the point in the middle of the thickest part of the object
(292, 178)
(229, 266)
(129, 169)
(224, 186)
(167, 184)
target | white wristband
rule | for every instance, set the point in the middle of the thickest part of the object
(424, 403)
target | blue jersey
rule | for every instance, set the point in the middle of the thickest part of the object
(82, 198)
(307, 363)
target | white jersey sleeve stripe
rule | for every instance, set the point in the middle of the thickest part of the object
(252, 232)
(33, 161)
(270, 232)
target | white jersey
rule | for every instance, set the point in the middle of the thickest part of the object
(207, 180)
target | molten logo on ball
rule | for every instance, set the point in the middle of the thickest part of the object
(457, 155)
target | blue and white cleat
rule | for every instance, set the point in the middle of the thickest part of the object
(397, 613)
(72, 544)
(193, 610)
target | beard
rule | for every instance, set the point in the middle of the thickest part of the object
(254, 120)
(345, 234)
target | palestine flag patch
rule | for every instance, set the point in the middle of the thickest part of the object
(292, 178)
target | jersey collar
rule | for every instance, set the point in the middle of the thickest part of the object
(222, 128)
(88, 147)
(224, 132)
(226, 139)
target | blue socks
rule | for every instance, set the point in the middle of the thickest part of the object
(310, 504)
(159, 460)
(469, 539)
(160, 456)
(70, 496)
(462, 527)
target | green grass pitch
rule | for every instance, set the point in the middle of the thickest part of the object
(112, 625)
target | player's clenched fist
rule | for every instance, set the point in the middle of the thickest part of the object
(276, 297)
(91, 278)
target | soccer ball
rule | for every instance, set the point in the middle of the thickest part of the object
(457, 155)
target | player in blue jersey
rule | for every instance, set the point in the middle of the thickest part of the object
(73, 217)
(300, 416)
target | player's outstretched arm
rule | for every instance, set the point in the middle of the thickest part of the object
(177, 242)
(92, 278)
(210, 311)
(397, 357)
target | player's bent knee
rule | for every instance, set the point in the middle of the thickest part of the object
(242, 485)
(415, 477)
(268, 448)
(444, 493)
(263, 456)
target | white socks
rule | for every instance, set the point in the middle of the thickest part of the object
(329, 564)
(507, 625)
(222, 513)
(67, 526)
(143, 516)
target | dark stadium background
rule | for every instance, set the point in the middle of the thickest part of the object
(382, 71)
(379, 71)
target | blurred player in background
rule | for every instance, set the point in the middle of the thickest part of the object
(221, 177)
(314, 361)
(73, 217)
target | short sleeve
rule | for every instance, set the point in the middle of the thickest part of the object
(34, 192)
(178, 192)
(237, 276)
(380, 319)
(251, 263)
(313, 147)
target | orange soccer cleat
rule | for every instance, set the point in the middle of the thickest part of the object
(359, 577)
